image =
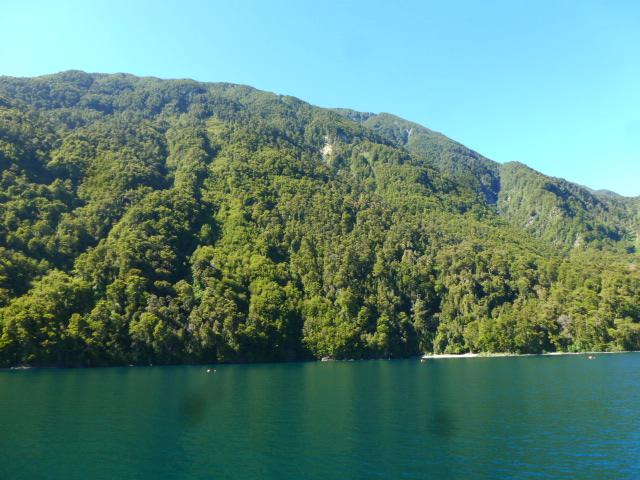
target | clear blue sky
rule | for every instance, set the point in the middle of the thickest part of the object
(552, 84)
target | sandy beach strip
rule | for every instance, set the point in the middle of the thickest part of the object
(492, 355)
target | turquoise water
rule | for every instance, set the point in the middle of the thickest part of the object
(479, 418)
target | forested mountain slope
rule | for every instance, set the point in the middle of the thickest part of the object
(565, 213)
(479, 173)
(554, 209)
(170, 221)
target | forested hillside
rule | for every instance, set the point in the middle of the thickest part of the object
(554, 209)
(170, 221)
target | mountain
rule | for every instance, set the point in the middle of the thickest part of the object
(172, 221)
(559, 211)
(453, 158)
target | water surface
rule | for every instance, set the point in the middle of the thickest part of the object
(495, 418)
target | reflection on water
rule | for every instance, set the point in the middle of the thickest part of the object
(525, 417)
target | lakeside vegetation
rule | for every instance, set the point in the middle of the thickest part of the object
(171, 221)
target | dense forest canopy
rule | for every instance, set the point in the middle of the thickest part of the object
(171, 221)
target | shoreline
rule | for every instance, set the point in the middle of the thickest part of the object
(324, 359)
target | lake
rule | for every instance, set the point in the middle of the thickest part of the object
(463, 418)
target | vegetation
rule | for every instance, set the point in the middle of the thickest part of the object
(170, 221)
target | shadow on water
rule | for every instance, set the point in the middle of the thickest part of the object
(442, 423)
(193, 408)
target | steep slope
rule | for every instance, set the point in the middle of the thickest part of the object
(449, 156)
(553, 209)
(565, 213)
(169, 221)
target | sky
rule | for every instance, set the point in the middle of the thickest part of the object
(552, 84)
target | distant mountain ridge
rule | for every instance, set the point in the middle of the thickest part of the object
(172, 221)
